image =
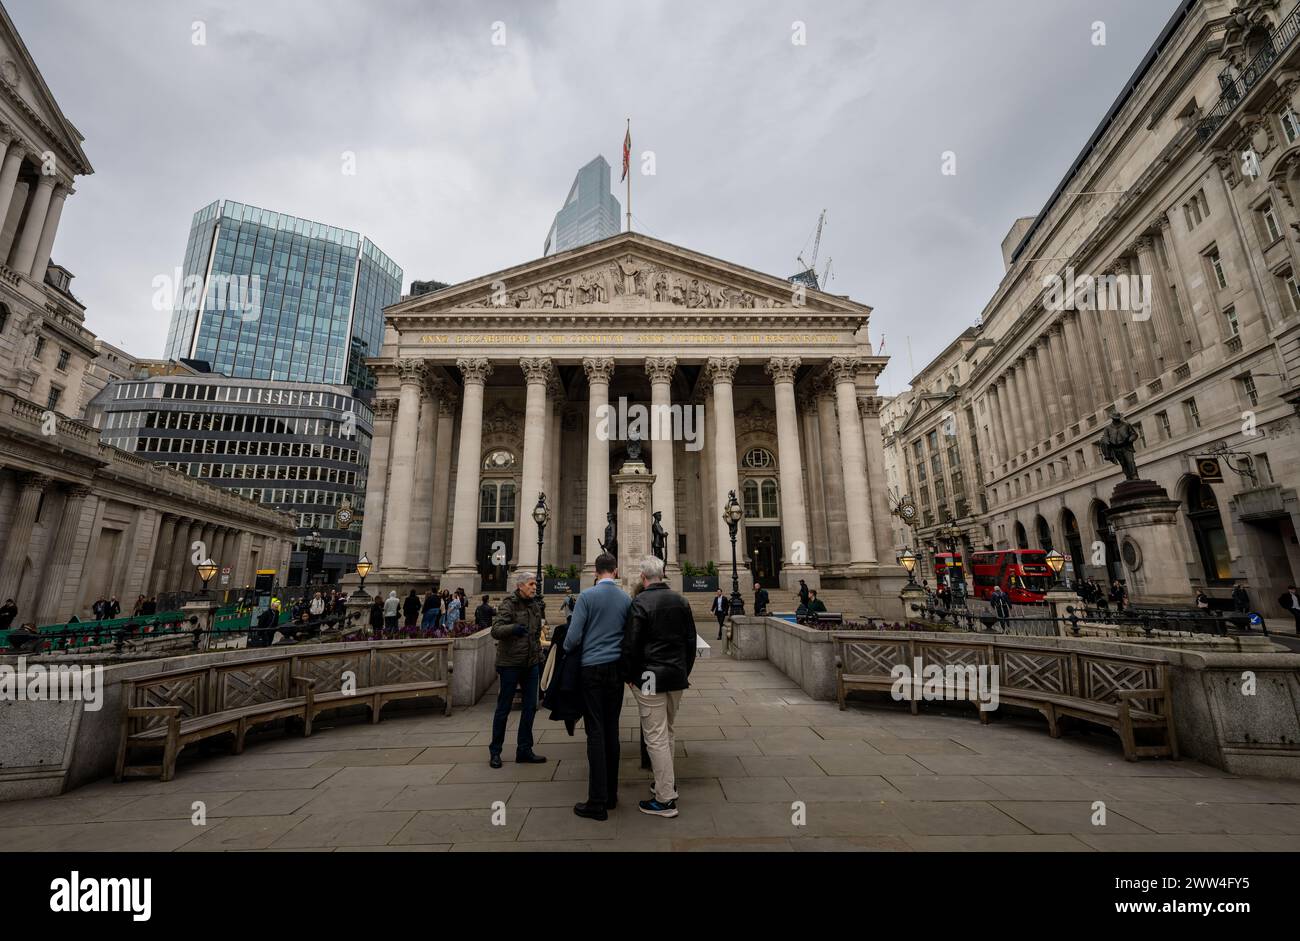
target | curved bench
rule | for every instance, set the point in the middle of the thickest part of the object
(1125, 693)
(170, 710)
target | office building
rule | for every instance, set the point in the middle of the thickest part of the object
(590, 212)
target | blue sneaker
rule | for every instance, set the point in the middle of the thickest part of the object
(657, 809)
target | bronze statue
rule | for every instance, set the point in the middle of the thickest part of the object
(610, 544)
(659, 538)
(1117, 443)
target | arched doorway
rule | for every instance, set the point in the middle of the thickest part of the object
(1022, 538)
(760, 498)
(1207, 531)
(497, 510)
(1044, 534)
(1106, 536)
(1073, 544)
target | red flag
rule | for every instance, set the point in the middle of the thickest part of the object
(627, 151)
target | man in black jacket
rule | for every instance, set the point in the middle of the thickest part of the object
(657, 657)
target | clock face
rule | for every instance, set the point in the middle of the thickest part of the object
(908, 511)
(344, 516)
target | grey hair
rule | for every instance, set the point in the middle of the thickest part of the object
(652, 569)
(523, 577)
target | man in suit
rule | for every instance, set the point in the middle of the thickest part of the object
(596, 628)
(721, 608)
(760, 599)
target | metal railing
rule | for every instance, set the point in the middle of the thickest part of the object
(1037, 620)
(1233, 94)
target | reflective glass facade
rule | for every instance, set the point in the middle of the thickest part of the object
(270, 296)
(590, 212)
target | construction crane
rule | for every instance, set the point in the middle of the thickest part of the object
(808, 272)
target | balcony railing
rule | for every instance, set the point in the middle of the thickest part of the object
(1256, 69)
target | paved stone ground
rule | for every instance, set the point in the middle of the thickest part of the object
(749, 744)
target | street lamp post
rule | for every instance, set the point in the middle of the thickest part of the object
(732, 514)
(908, 561)
(541, 516)
(1056, 562)
(957, 578)
(364, 565)
(207, 568)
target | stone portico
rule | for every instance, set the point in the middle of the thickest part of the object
(533, 379)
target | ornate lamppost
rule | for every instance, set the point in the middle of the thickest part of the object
(957, 575)
(541, 516)
(732, 514)
(364, 565)
(1056, 562)
(908, 561)
(207, 568)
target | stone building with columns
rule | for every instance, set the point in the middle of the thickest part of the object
(521, 382)
(1160, 280)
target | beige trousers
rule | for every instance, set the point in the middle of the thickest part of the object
(657, 713)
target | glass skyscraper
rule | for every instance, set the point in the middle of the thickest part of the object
(266, 295)
(590, 211)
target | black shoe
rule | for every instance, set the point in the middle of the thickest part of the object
(611, 803)
(530, 759)
(590, 811)
(495, 762)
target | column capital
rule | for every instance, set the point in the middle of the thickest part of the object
(844, 368)
(37, 482)
(868, 406)
(782, 368)
(1144, 245)
(660, 368)
(412, 371)
(722, 368)
(822, 385)
(598, 368)
(47, 181)
(448, 402)
(474, 369)
(807, 400)
(434, 387)
(537, 370)
(80, 492)
(555, 389)
(385, 408)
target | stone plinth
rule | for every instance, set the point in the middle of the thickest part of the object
(632, 486)
(1144, 519)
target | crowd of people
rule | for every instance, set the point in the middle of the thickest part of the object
(608, 640)
(438, 613)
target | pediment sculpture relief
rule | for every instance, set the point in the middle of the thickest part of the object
(627, 277)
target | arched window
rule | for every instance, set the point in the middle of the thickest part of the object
(759, 459)
(768, 492)
(750, 498)
(496, 502)
(760, 499)
(1044, 534)
(1207, 528)
(498, 460)
(1022, 539)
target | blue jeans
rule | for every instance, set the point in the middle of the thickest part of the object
(511, 678)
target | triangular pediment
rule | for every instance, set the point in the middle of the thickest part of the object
(924, 405)
(626, 272)
(29, 105)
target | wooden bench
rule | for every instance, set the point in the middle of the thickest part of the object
(1127, 694)
(170, 710)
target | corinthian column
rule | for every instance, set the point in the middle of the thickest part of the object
(853, 457)
(722, 372)
(25, 249)
(448, 399)
(819, 553)
(832, 468)
(1168, 335)
(1062, 381)
(372, 522)
(797, 551)
(58, 566)
(401, 472)
(426, 460)
(537, 376)
(1050, 382)
(1016, 385)
(48, 231)
(599, 370)
(161, 554)
(555, 415)
(464, 527)
(14, 154)
(660, 370)
(877, 490)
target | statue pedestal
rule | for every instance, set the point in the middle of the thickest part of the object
(1145, 523)
(633, 486)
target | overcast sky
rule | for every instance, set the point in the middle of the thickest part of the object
(464, 149)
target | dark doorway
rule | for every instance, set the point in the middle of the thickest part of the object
(1207, 527)
(495, 550)
(1073, 544)
(1107, 535)
(1022, 539)
(763, 550)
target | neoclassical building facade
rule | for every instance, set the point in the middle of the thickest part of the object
(530, 380)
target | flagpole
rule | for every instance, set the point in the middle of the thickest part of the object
(629, 177)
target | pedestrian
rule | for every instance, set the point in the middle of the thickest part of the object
(1117, 595)
(1290, 602)
(139, 606)
(1001, 602)
(114, 607)
(517, 629)
(760, 599)
(596, 632)
(98, 608)
(1240, 599)
(377, 616)
(1202, 601)
(454, 613)
(567, 605)
(804, 594)
(658, 654)
(151, 606)
(721, 608)
(815, 604)
(317, 606)
(430, 612)
(484, 614)
(8, 611)
(411, 609)
(392, 612)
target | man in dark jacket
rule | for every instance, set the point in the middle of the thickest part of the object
(484, 614)
(517, 629)
(760, 599)
(657, 657)
(721, 608)
(411, 608)
(8, 612)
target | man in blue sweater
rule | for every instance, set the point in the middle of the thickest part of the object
(596, 627)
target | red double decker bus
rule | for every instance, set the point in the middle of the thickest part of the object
(948, 566)
(1023, 574)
